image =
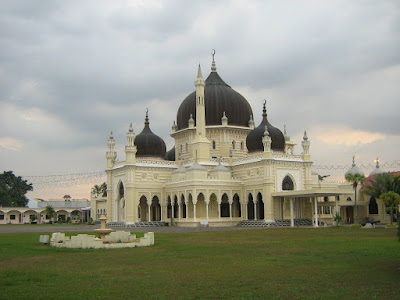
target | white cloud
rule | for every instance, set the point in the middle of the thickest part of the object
(10, 143)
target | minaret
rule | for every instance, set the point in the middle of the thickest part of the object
(306, 147)
(267, 144)
(130, 148)
(201, 145)
(111, 155)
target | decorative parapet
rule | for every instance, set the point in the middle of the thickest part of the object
(117, 239)
(287, 157)
(248, 159)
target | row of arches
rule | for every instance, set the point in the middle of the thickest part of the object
(187, 208)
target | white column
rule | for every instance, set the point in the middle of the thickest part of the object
(230, 210)
(172, 210)
(194, 211)
(161, 214)
(187, 210)
(207, 210)
(291, 213)
(148, 213)
(316, 211)
(255, 210)
(179, 211)
(219, 210)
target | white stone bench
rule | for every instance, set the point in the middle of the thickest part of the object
(204, 223)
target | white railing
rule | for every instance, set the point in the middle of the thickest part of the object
(288, 157)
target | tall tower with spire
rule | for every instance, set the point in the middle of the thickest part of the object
(201, 145)
(130, 148)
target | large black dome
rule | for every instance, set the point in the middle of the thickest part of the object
(149, 144)
(254, 138)
(219, 98)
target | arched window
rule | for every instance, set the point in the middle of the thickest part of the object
(241, 146)
(373, 206)
(233, 145)
(121, 190)
(181, 148)
(213, 145)
(186, 147)
(348, 199)
(287, 184)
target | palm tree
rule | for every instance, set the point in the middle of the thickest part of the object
(391, 199)
(103, 189)
(50, 211)
(381, 185)
(96, 190)
(355, 179)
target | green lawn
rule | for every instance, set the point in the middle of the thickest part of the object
(325, 263)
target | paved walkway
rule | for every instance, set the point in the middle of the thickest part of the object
(90, 228)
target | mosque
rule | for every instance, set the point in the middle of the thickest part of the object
(222, 170)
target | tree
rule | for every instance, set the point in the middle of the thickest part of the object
(50, 211)
(13, 190)
(98, 190)
(391, 200)
(355, 179)
(381, 185)
(103, 189)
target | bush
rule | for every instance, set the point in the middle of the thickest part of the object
(394, 225)
(398, 227)
(90, 222)
(355, 225)
(50, 222)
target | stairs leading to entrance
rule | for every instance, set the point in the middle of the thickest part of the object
(277, 223)
(137, 224)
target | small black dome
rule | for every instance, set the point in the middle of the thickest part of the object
(219, 98)
(254, 138)
(149, 144)
(170, 155)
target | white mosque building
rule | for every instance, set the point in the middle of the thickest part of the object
(222, 171)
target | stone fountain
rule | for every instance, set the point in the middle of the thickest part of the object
(103, 231)
(109, 239)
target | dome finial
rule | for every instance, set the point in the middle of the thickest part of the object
(354, 161)
(377, 162)
(284, 129)
(305, 137)
(264, 109)
(111, 136)
(213, 66)
(146, 119)
(130, 127)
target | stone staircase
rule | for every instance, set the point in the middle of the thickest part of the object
(138, 224)
(277, 223)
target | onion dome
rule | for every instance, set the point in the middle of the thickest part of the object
(219, 98)
(377, 170)
(354, 170)
(197, 167)
(220, 168)
(181, 169)
(254, 138)
(170, 155)
(149, 144)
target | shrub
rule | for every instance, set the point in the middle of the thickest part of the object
(355, 225)
(90, 222)
(394, 225)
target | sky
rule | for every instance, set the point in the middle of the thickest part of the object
(72, 71)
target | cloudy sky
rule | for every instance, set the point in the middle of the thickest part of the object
(71, 71)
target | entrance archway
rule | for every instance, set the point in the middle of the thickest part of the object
(200, 206)
(250, 208)
(143, 209)
(213, 206)
(236, 209)
(260, 207)
(225, 206)
(155, 209)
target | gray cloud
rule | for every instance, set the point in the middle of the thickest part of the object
(86, 69)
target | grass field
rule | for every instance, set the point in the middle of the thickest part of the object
(325, 263)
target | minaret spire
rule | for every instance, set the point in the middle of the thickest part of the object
(213, 66)
(199, 75)
(146, 119)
